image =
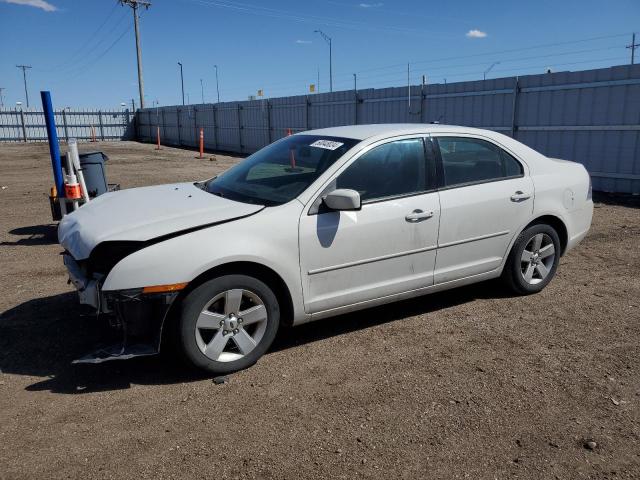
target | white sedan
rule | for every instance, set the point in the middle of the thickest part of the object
(318, 224)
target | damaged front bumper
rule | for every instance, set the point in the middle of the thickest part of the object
(137, 315)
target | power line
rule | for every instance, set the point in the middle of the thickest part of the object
(85, 67)
(397, 76)
(314, 19)
(498, 52)
(87, 44)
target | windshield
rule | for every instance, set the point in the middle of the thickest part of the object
(281, 171)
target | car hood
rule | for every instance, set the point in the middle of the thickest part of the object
(143, 214)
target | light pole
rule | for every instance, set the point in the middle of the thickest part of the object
(484, 75)
(181, 82)
(217, 84)
(202, 91)
(327, 39)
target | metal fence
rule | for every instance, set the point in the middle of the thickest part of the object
(591, 116)
(28, 125)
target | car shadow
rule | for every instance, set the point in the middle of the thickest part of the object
(41, 337)
(34, 235)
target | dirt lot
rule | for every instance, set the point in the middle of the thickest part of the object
(465, 384)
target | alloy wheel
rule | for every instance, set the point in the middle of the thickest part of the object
(231, 325)
(537, 259)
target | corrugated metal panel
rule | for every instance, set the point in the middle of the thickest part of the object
(29, 125)
(592, 117)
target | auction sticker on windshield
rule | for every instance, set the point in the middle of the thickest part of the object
(326, 144)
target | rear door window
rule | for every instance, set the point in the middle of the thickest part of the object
(471, 160)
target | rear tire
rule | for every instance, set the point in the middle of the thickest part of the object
(533, 260)
(228, 323)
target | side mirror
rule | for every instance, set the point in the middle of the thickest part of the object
(343, 199)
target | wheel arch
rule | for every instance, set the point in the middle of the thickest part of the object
(252, 269)
(557, 224)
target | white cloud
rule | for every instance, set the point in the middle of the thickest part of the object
(46, 6)
(476, 34)
(303, 42)
(371, 5)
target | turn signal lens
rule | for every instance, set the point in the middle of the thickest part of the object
(174, 287)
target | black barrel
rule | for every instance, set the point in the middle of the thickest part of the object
(92, 165)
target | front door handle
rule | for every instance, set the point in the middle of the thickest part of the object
(520, 196)
(418, 216)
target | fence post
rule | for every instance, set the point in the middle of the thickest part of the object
(355, 107)
(514, 110)
(101, 125)
(306, 112)
(64, 122)
(423, 99)
(164, 128)
(269, 121)
(178, 125)
(24, 128)
(215, 125)
(195, 126)
(240, 126)
(126, 119)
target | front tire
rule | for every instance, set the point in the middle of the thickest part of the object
(228, 323)
(533, 260)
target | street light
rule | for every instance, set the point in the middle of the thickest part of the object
(181, 82)
(327, 39)
(484, 75)
(217, 84)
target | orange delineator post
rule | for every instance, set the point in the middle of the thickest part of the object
(158, 135)
(201, 142)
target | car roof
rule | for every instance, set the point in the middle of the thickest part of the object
(362, 132)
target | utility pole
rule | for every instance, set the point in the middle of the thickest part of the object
(327, 39)
(134, 4)
(355, 83)
(202, 90)
(1, 97)
(318, 89)
(217, 84)
(24, 76)
(633, 47)
(181, 82)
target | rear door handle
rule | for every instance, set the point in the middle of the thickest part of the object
(418, 216)
(520, 196)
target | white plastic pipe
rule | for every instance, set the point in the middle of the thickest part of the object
(75, 159)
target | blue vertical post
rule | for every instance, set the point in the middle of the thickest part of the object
(54, 149)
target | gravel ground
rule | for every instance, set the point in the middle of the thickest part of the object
(470, 383)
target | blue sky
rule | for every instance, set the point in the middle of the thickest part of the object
(83, 51)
